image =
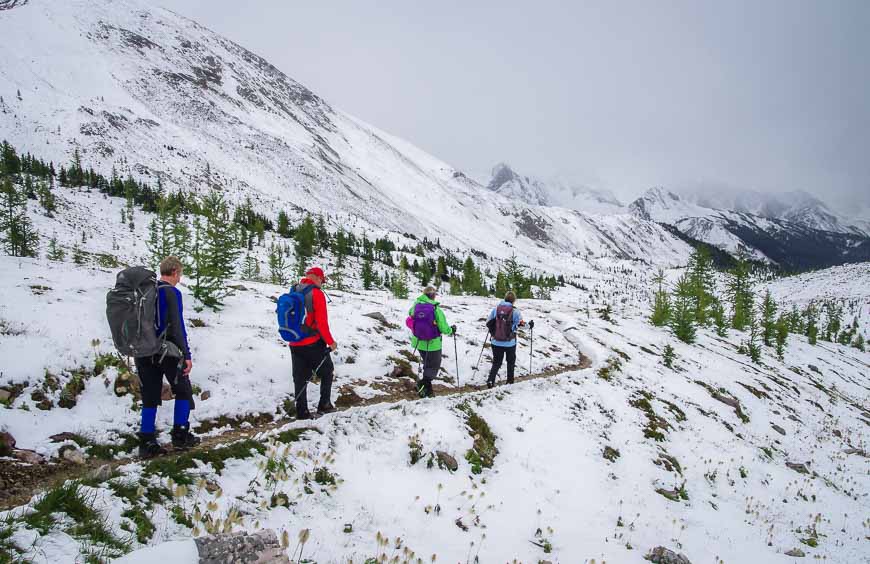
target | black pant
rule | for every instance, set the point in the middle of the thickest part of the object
(498, 354)
(431, 367)
(305, 361)
(151, 373)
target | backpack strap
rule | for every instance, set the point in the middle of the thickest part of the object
(306, 291)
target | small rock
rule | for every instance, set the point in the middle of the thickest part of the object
(28, 456)
(376, 315)
(127, 383)
(72, 454)
(798, 467)
(262, 546)
(5, 395)
(61, 437)
(7, 443)
(238, 287)
(778, 429)
(837, 433)
(166, 392)
(446, 461)
(735, 403)
(857, 451)
(205, 395)
(795, 552)
(102, 473)
(661, 555)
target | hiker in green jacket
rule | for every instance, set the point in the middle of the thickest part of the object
(427, 323)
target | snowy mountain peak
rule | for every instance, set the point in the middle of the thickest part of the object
(506, 182)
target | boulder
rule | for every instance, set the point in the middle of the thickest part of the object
(71, 454)
(376, 315)
(7, 443)
(28, 456)
(102, 473)
(205, 395)
(61, 437)
(127, 383)
(798, 467)
(661, 555)
(778, 429)
(446, 461)
(240, 547)
(796, 553)
(5, 395)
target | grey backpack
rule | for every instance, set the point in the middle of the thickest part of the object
(131, 311)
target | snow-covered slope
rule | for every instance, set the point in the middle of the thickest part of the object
(791, 244)
(601, 463)
(554, 192)
(144, 89)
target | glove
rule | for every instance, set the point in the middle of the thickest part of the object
(453, 329)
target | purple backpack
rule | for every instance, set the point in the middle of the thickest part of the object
(504, 323)
(423, 324)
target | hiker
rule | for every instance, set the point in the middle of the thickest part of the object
(427, 323)
(174, 365)
(503, 322)
(311, 355)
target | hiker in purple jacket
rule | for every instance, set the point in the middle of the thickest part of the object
(427, 323)
(503, 322)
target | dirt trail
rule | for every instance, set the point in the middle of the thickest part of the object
(22, 480)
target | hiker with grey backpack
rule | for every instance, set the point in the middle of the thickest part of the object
(504, 319)
(427, 323)
(145, 315)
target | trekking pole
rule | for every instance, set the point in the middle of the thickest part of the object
(314, 372)
(456, 354)
(531, 344)
(485, 339)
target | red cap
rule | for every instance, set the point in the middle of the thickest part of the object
(316, 271)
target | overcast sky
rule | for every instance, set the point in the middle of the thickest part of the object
(771, 95)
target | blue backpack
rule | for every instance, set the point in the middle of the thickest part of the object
(291, 314)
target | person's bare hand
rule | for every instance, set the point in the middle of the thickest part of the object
(333, 346)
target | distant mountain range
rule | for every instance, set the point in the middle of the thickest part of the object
(555, 192)
(798, 236)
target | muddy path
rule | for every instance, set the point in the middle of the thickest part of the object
(19, 481)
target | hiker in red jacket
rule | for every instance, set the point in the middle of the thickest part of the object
(311, 355)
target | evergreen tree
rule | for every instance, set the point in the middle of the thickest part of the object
(796, 321)
(668, 356)
(753, 349)
(858, 343)
(368, 273)
(782, 330)
(250, 268)
(283, 224)
(501, 286)
(682, 318)
(399, 286)
(10, 163)
(305, 239)
(160, 233)
(811, 327)
(78, 255)
(701, 270)
(215, 251)
(661, 301)
(516, 279)
(472, 280)
(719, 322)
(46, 198)
(739, 287)
(55, 252)
(425, 273)
(322, 234)
(834, 315)
(19, 237)
(440, 271)
(277, 266)
(768, 319)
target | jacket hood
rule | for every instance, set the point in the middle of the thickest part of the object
(424, 299)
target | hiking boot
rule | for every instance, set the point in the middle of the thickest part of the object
(490, 384)
(328, 408)
(182, 438)
(149, 447)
